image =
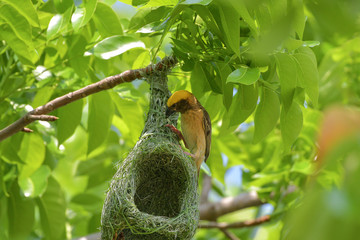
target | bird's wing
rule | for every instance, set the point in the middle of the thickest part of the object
(207, 131)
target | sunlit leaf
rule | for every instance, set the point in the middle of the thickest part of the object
(25, 50)
(57, 24)
(26, 8)
(36, 184)
(116, 45)
(147, 15)
(18, 22)
(201, 2)
(106, 20)
(83, 14)
(132, 114)
(32, 152)
(157, 3)
(304, 167)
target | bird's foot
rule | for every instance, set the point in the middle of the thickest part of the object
(177, 132)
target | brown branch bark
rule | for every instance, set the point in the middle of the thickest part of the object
(206, 187)
(211, 211)
(224, 225)
(102, 85)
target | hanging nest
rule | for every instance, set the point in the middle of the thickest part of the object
(153, 195)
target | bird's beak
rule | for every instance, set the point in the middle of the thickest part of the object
(169, 112)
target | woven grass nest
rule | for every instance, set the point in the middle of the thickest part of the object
(153, 194)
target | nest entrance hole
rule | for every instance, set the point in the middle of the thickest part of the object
(161, 185)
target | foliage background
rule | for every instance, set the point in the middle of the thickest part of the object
(266, 100)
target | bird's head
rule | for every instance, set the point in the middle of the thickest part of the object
(180, 101)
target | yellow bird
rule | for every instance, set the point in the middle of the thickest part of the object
(195, 124)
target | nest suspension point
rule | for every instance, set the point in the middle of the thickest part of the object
(153, 194)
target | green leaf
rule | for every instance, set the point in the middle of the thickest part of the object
(138, 2)
(211, 79)
(25, 8)
(291, 122)
(52, 211)
(69, 119)
(230, 25)
(145, 16)
(299, 16)
(243, 105)
(20, 213)
(106, 20)
(157, 3)
(32, 152)
(8, 150)
(54, 26)
(132, 115)
(3, 187)
(101, 110)
(77, 59)
(142, 60)
(311, 43)
(83, 14)
(116, 45)
(200, 2)
(17, 22)
(26, 54)
(63, 5)
(304, 167)
(266, 115)
(286, 69)
(228, 88)
(245, 15)
(308, 73)
(42, 96)
(36, 184)
(244, 75)
(198, 81)
(57, 24)
(86, 199)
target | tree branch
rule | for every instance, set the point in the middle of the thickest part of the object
(106, 83)
(211, 211)
(206, 187)
(224, 225)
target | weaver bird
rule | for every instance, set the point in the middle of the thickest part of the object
(195, 124)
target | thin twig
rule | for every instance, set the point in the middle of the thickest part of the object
(229, 234)
(224, 225)
(102, 85)
(28, 130)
